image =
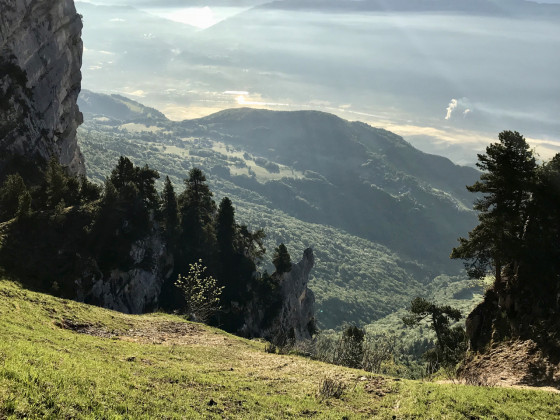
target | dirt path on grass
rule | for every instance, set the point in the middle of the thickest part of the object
(153, 332)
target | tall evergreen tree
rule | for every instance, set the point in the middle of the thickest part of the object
(541, 256)
(146, 183)
(169, 210)
(197, 210)
(88, 190)
(509, 169)
(197, 195)
(56, 183)
(10, 193)
(281, 259)
(226, 228)
(123, 173)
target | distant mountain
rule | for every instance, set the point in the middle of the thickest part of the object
(367, 181)
(381, 216)
(117, 107)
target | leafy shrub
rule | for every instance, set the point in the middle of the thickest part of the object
(202, 294)
(331, 388)
(350, 350)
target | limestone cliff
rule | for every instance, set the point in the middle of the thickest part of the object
(295, 319)
(40, 61)
(296, 316)
(135, 290)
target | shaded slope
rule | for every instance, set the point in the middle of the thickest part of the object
(380, 215)
(372, 183)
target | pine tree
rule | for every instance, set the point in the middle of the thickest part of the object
(509, 169)
(281, 259)
(123, 173)
(226, 229)
(56, 183)
(10, 193)
(169, 210)
(88, 190)
(197, 210)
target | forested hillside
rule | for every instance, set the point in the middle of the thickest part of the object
(381, 216)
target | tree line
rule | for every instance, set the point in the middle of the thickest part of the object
(61, 225)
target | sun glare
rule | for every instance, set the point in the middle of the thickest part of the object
(199, 17)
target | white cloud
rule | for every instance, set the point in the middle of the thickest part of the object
(451, 108)
(236, 92)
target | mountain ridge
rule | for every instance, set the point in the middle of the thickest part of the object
(360, 220)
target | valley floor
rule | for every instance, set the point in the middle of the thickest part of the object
(63, 359)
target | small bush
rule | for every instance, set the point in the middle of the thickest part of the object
(202, 294)
(270, 348)
(331, 388)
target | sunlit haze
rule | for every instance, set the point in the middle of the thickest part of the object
(446, 82)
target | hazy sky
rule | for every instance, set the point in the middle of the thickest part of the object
(447, 83)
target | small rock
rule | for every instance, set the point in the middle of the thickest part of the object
(212, 402)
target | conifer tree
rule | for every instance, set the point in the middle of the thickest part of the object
(24, 206)
(10, 193)
(281, 259)
(169, 210)
(56, 183)
(197, 210)
(226, 228)
(509, 169)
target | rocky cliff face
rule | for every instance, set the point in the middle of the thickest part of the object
(40, 61)
(295, 319)
(136, 290)
(296, 316)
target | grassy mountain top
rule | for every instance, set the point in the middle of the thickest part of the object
(63, 359)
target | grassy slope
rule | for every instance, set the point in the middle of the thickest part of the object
(158, 366)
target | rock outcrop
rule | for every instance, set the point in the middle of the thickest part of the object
(295, 318)
(297, 314)
(40, 79)
(135, 290)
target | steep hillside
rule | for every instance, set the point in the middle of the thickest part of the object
(370, 182)
(62, 359)
(381, 216)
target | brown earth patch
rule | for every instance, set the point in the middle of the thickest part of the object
(519, 364)
(380, 386)
(84, 328)
(155, 332)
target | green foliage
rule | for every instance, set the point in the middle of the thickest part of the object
(350, 349)
(24, 206)
(506, 183)
(201, 293)
(89, 191)
(169, 211)
(517, 238)
(225, 228)
(11, 193)
(355, 279)
(281, 259)
(56, 183)
(451, 342)
(197, 210)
